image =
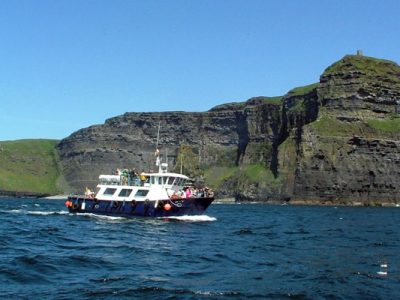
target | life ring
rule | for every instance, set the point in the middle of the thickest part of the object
(116, 204)
(75, 206)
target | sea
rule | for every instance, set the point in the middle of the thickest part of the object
(233, 251)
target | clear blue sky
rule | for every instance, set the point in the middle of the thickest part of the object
(69, 64)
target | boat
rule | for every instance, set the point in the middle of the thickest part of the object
(152, 194)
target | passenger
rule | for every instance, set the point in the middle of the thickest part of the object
(89, 193)
(132, 176)
(188, 192)
(124, 177)
(142, 178)
(201, 193)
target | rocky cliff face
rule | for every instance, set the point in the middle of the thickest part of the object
(350, 154)
(336, 141)
(220, 136)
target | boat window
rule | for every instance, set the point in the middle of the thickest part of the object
(125, 193)
(153, 181)
(160, 180)
(109, 191)
(141, 193)
(171, 180)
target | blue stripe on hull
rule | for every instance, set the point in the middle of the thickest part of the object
(180, 207)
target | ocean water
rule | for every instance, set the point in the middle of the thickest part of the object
(233, 252)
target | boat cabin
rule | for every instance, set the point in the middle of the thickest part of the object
(152, 186)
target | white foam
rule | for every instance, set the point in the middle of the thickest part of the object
(47, 213)
(36, 212)
(382, 273)
(198, 218)
(102, 217)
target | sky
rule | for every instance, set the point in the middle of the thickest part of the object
(70, 64)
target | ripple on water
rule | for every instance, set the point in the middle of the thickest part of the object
(234, 252)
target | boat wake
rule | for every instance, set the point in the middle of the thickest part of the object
(103, 217)
(198, 218)
(47, 213)
(36, 212)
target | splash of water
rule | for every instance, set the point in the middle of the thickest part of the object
(198, 218)
(102, 217)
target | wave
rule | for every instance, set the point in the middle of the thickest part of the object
(197, 218)
(47, 213)
(102, 217)
(35, 212)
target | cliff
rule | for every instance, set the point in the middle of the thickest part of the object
(350, 154)
(336, 141)
(29, 168)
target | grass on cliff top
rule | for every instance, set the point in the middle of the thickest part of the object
(368, 65)
(276, 100)
(272, 100)
(29, 166)
(302, 90)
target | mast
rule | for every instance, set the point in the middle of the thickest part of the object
(157, 153)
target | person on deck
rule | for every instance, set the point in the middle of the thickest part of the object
(142, 178)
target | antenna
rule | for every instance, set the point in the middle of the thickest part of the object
(181, 162)
(158, 134)
(157, 152)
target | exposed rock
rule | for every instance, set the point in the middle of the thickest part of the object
(345, 155)
(220, 136)
(336, 141)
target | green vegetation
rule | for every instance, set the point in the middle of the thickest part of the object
(273, 100)
(327, 125)
(299, 108)
(29, 166)
(216, 176)
(188, 160)
(369, 65)
(302, 90)
(257, 173)
(259, 153)
(330, 126)
(389, 125)
(242, 176)
(287, 165)
(268, 100)
(300, 102)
